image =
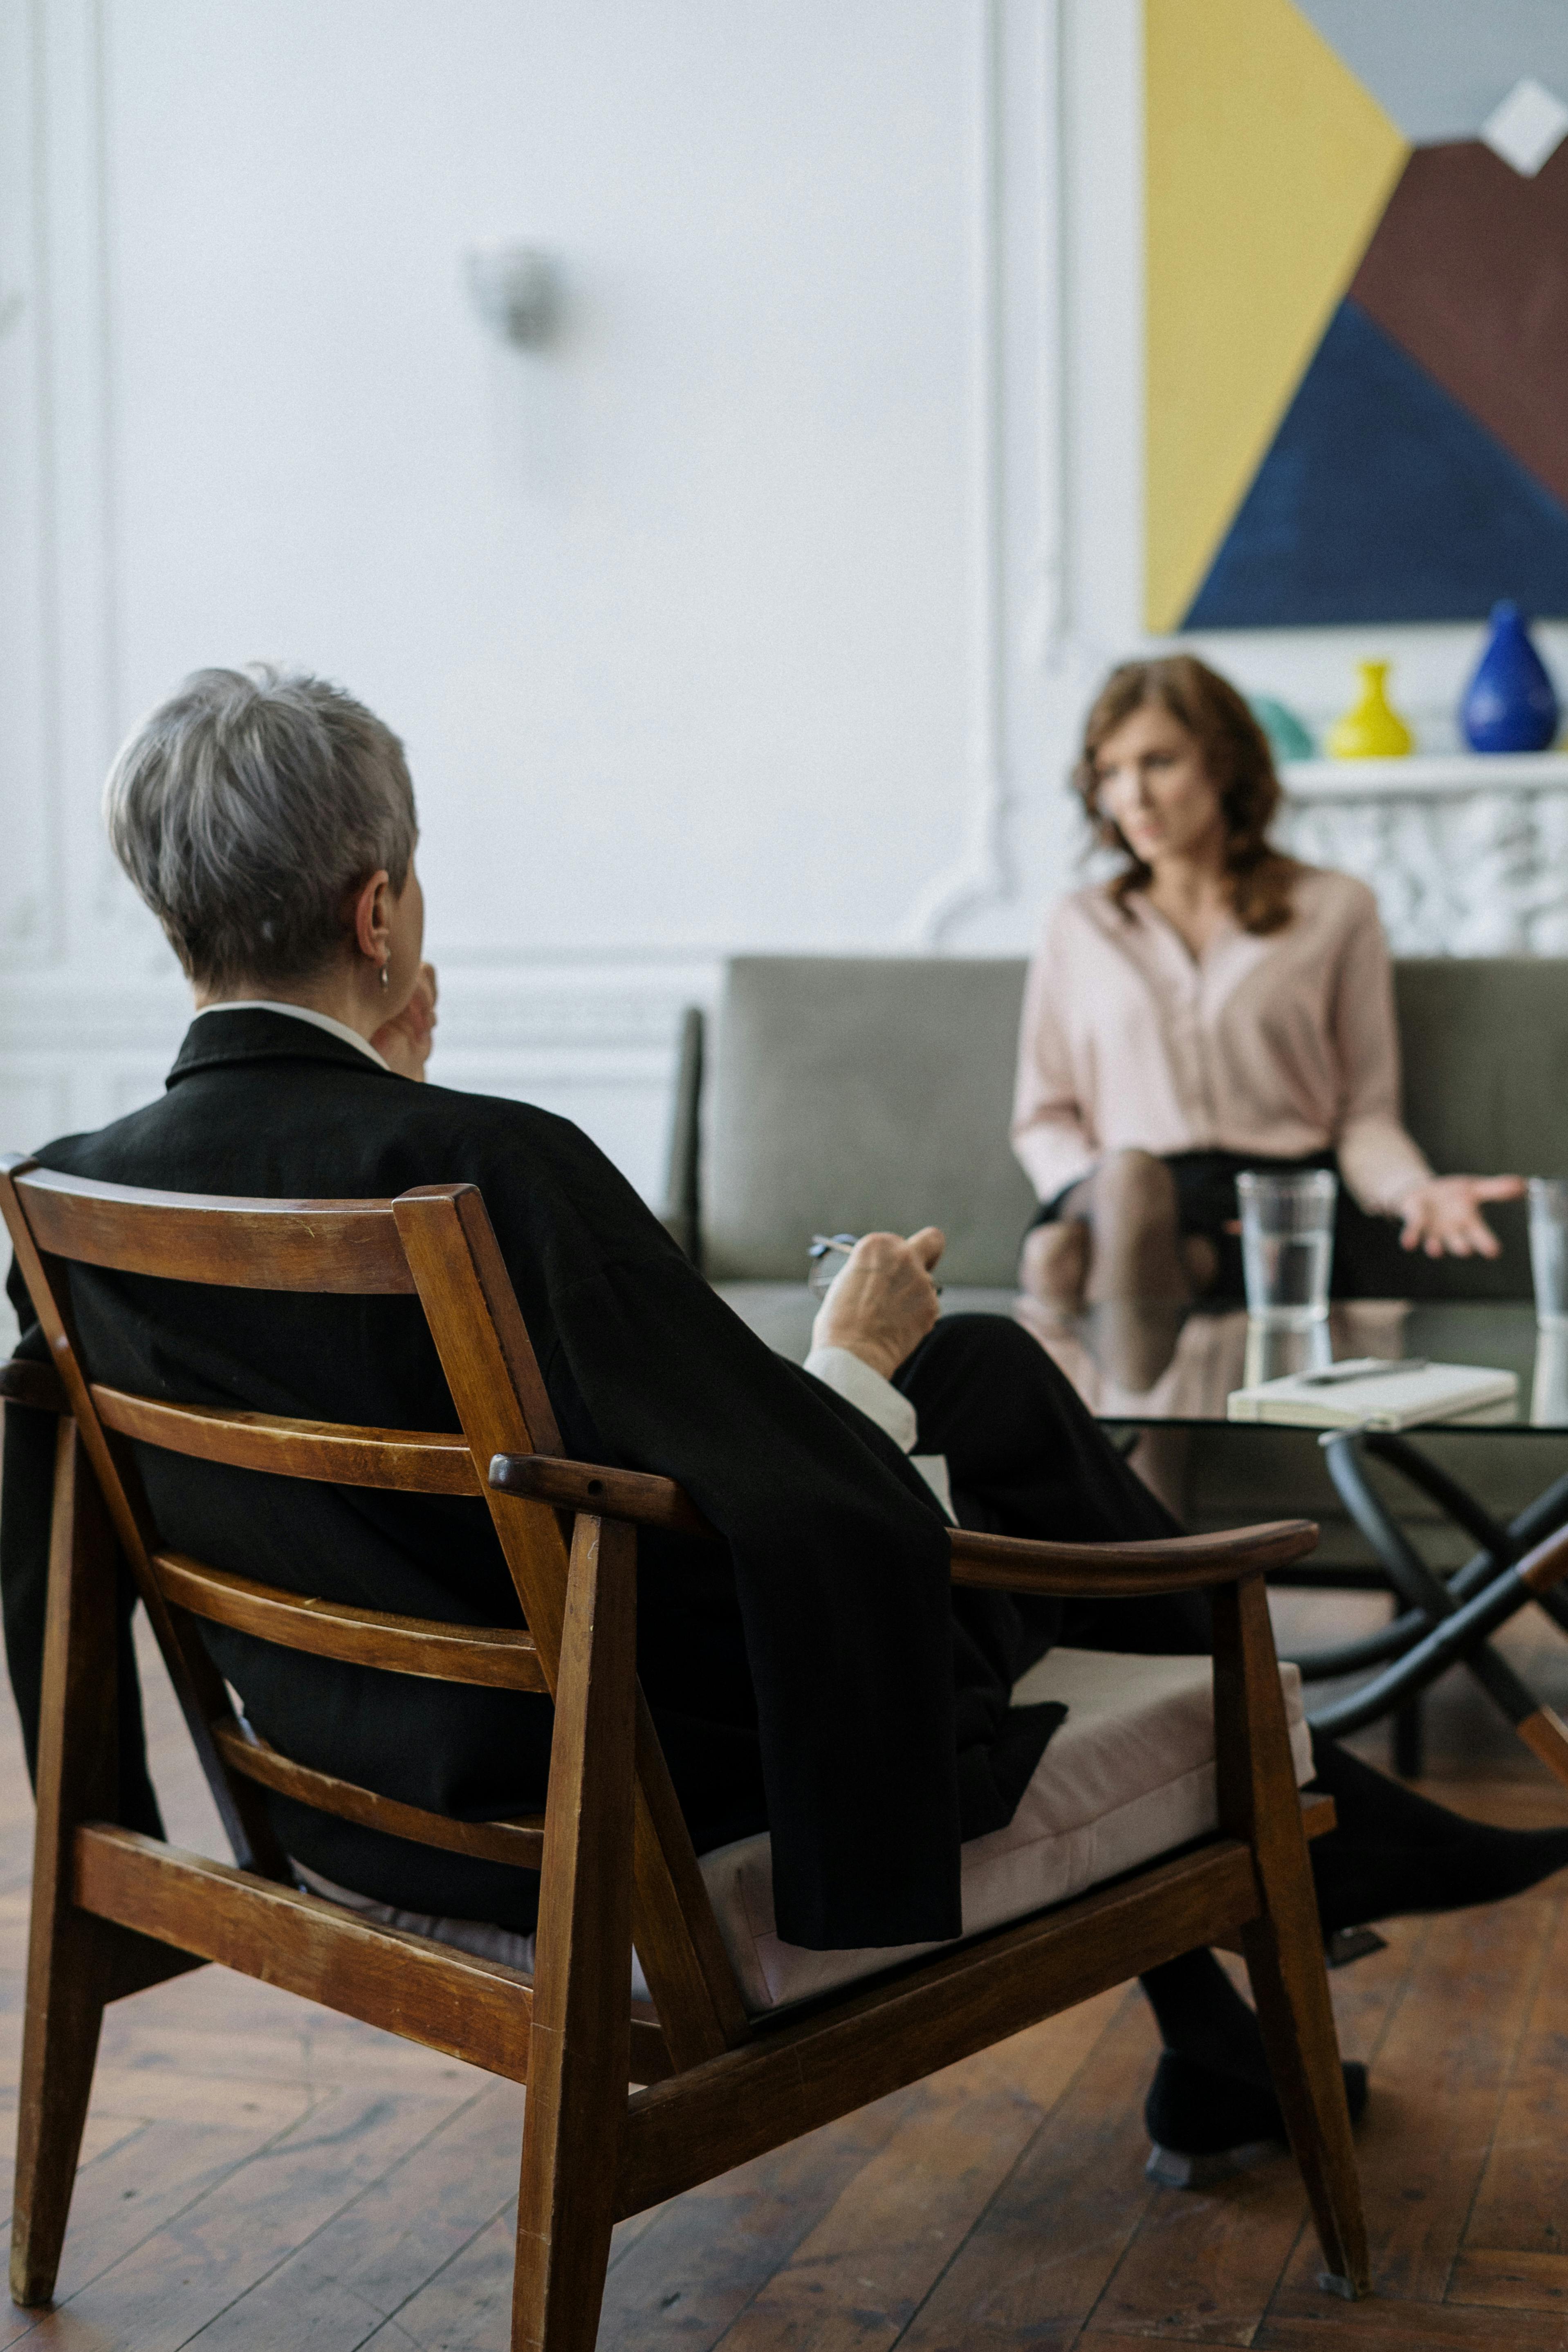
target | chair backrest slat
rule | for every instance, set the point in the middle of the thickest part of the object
(492, 1655)
(243, 1245)
(413, 1461)
(199, 1687)
(520, 1842)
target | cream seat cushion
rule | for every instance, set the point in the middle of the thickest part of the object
(1128, 1775)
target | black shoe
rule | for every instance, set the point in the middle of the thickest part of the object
(1206, 2124)
(1395, 1851)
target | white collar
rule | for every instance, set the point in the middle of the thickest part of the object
(338, 1029)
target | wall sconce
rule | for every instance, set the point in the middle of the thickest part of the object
(515, 289)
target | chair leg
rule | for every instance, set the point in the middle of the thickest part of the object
(66, 1983)
(1285, 1962)
(580, 2040)
(1283, 1946)
(70, 1953)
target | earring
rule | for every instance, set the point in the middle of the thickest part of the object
(387, 973)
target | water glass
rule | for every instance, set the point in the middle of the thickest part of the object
(1287, 1246)
(1549, 1250)
(1273, 1353)
(1549, 1389)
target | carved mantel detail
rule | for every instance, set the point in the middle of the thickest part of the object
(1467, 856)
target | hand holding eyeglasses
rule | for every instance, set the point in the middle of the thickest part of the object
(882, 1301)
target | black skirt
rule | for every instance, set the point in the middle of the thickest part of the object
(1368, 1260)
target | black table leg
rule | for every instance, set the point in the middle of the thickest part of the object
(1444, 1622)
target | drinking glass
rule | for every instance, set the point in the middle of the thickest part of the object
(1276, 1353)
(1549, 1389)
(1287, 1246)
(1549, 1250)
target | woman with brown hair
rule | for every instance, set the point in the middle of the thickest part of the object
(1217, 1006)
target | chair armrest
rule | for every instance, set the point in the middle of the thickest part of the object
(647, 1501)
(1104, 1571)
(39, 1385)
(1006, 1563)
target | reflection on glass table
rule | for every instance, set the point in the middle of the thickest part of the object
(1132, 1363)
(1177, 1366)
(1164, 1370)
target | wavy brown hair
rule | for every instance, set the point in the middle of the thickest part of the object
(1239, 763)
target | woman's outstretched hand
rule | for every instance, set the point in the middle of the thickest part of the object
(883, 1302)
(405, 1042)
(1443, 1215)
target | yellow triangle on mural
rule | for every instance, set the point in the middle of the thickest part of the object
(1268, 167)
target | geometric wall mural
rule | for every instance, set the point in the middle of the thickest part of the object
(1356, 311)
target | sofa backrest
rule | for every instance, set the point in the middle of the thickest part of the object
(1484, 1042)
(856, 1092)
(859, 1093)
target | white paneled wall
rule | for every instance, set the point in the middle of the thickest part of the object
(729, 620)
(757, 610)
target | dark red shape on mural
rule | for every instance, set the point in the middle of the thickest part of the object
(1468, 272)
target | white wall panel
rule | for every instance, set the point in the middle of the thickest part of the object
(708, 628)
(29, 877)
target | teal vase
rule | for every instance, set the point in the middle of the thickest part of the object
(1288, 738)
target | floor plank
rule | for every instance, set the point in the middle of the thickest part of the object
(693, 2273)
(856, 2280)
(1038, 2258)
(206, 2255)
(1439, 2080)
(1514, 2282)
(1523, 2201)
(376, 2254)
(1378, 2326)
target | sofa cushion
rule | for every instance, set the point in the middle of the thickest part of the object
(1128, 1775)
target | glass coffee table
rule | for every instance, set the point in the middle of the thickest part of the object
(1139, 1368)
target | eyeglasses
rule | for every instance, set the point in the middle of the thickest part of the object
(828, 1254)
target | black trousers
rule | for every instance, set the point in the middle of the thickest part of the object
(1025, 1457)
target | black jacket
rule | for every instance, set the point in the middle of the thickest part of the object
(814, 1678)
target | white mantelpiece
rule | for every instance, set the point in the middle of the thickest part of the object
(1468, 855)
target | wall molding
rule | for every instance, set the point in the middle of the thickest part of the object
(981, 872)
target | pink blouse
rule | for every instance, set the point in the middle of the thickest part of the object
(1283, 1046)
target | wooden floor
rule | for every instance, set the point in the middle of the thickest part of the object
(262, 2177)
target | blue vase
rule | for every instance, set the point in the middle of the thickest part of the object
(1510, 704)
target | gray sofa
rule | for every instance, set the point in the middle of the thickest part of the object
(847, 1093)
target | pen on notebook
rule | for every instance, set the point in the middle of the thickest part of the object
(1363, 1368)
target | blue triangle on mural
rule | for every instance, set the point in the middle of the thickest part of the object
(1382, 499)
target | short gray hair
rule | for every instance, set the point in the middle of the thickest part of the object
(247, 808)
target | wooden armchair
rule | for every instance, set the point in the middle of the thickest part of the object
(628, 2101)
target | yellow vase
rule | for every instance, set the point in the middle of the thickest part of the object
(1370, 729)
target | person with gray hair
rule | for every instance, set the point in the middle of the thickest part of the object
(814, 1673)
(268, 820)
